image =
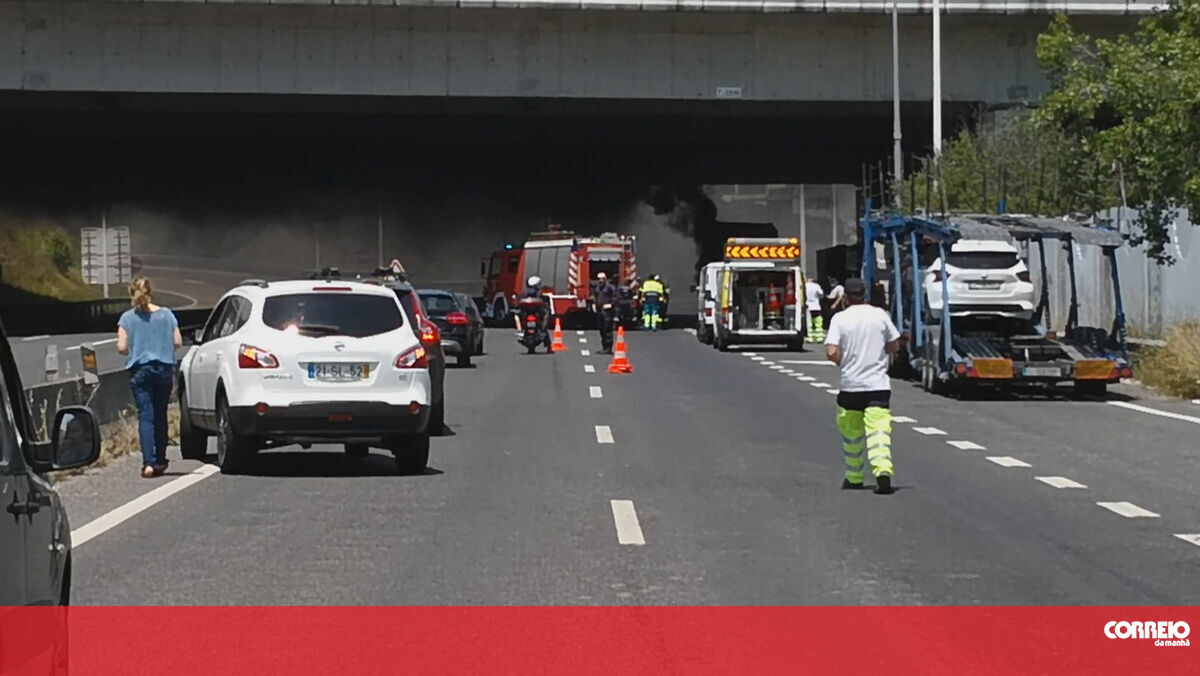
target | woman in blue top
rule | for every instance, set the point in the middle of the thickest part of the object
(148, 335)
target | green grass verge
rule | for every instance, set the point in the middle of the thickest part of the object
(41, 258)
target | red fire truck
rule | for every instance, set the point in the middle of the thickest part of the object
(567, 264)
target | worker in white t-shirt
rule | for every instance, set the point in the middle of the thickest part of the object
(813, 294)
(836, 297)
(861, 339)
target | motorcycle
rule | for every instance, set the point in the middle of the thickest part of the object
(535, 333)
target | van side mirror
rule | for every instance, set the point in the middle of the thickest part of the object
(76, 438)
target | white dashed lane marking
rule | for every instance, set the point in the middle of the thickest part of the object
(690, 330)
(788, 372)
(585, 353)
(604, 434)
(749, 354)
(966, 445)
(1193, 538)
(583, 341)
(767, 363)
(805, 379)
(832, 391)
(931, 431)
(757, 358)
(588, 368)
(1008, 461)
(629, 531)
(777, 367)
(579, 333)
(821, 385)
(1059, 482)
(594, 392)
(902, 419)
(1128, 510)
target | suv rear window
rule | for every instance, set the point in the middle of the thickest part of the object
(439, 304)
(982, 260)
(333, 314)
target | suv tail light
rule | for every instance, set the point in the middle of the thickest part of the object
(413, 358)
(429, 332)
(250, 357)
(1023, 276)
(458, 319)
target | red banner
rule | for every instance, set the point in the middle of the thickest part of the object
(369, 640)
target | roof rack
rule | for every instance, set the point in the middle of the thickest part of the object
(260, 283)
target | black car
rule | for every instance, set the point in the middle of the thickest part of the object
(462, 336)
(35, 537)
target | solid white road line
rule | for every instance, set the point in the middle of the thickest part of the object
(1155, 411)
(1059, 482)
(629, 531)
(932, 431)
(1008, 461)
(588, 368)
(821, 385)
(585, 353)
(604, 434)
(192, 302)
(594, 392)
(138, 505)
(1193, 538)
(966, 445)
(105, 342)
(1128, 510)
(29, 339)
(902, 419)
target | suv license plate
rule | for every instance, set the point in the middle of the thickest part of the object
(983, 285)
(1043, 371)
(339, 371)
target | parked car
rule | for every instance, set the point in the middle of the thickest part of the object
(461, 336)
(304, 362)
(35, 535)
(985, 277)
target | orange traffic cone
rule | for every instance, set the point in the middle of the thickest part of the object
(556, 343)
(620, 362)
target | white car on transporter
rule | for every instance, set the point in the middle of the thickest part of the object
(985, 277)
(304, 362)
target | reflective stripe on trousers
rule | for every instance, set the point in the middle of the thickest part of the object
(816, 328)
(873, 426)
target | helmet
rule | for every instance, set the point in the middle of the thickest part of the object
(535, 281)
(657, 278)
(601, 276)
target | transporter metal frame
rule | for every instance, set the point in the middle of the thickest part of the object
(987, 350)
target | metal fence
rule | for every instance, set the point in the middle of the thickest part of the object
(1155, 296)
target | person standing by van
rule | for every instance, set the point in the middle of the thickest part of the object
(148, 335)
(861, 340)
(813, 294)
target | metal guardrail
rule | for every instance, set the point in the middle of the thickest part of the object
(93, 316)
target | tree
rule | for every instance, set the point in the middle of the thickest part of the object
(1133, 103)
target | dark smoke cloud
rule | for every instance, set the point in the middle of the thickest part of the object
(689, 211)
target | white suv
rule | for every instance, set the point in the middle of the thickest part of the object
(985, 277)
(306, 362)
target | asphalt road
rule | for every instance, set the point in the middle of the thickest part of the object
(726, 466)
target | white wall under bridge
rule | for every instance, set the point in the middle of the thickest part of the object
(358, 49)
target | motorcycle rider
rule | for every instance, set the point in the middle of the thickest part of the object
(653, 293)
(533, 289)
(606, 310)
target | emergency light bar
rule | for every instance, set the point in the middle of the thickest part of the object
(751, 248)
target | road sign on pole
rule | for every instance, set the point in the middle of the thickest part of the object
(106, 255)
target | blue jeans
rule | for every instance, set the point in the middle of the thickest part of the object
(151, 384)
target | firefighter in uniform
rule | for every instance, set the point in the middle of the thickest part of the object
(652, 292)
(606, 311)
(860, 341)
(813, 293)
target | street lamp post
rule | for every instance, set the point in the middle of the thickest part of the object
(897, 162)
(937, 78)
